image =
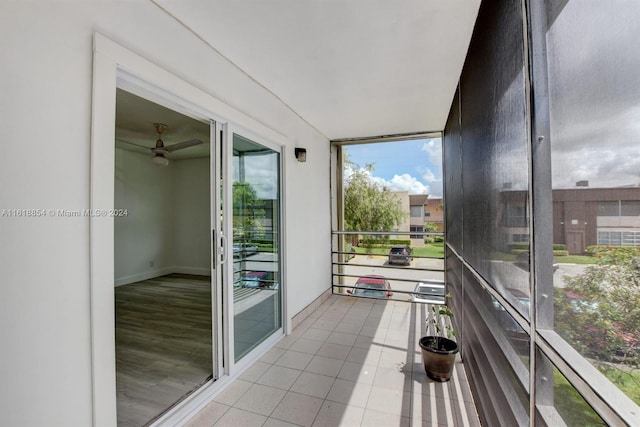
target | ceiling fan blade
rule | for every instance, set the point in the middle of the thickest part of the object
(159, 150)
(182, 145)
(132, 143)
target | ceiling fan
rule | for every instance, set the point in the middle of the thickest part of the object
(160, 149)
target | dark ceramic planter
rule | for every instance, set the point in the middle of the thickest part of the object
(438, 356)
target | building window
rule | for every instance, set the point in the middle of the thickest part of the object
(520, 238)
(427, 213)
(416, 211)
(609, 208)
(416, 229)
(630, 208)
(619, 208)
(619, 238)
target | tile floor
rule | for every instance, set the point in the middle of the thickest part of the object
(352, 362)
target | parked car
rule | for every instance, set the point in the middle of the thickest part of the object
(430, 292)
(400, 254)
(371, 287)
(258, 279)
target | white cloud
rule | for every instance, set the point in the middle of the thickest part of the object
(404, 182)
(433, 147)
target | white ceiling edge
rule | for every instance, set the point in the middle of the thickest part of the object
(350, 68)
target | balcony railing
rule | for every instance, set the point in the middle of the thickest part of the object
(364, 266)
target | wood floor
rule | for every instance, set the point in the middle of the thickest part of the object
(163, 344)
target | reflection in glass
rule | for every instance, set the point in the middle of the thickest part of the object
(594, 102)
(569, 405)
(256, 244)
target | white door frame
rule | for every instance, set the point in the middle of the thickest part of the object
(115, 66)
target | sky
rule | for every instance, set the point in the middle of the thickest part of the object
(414, 166)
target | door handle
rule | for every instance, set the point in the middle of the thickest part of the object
(214, 250)
(223, 243)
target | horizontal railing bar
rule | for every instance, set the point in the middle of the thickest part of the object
(414, 280)
(395, 291)
(440, 270)
(384, 255)
(389, 233)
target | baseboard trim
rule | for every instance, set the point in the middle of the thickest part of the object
(161, 272)
(310, 308)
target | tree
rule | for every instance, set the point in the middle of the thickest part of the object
(430, 227)
(369, 206)
(598, 312)
(247, 209)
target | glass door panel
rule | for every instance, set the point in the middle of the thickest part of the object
(256, 244)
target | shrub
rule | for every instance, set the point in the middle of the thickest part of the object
(523, 247)
(598, 312)
(607, 254)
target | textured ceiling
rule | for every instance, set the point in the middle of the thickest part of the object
(350, 68)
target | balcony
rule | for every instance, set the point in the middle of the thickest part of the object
(353, 361)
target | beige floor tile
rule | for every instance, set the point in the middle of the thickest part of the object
(348, 327)
(313, 385)
(433, 410)
(272, 355)
(260, 399)
(349, 393)
(272, 422)
(380, 419)
(324, 366)
(233, 392)
(286, 342)
(333, 414)
(358, 372)
(255, 371)
(390, 401)
(365, 356)
(298, 409)
(393, 379)
(294, 360)
(208, 416)
(335, 351)
(330, 376)
(279, 377)
(304, 345)
(237, 417)
(394, 358)
(327, 325)
(342, 338)
(317, 334)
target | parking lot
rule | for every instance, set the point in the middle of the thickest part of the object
(401, 278)
(405, 278)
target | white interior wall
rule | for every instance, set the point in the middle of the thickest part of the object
(166, 229)
(45, 114)
(144, 238)
(192, 232)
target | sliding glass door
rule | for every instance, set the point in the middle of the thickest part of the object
(256, 273)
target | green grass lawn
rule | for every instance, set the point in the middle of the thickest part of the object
(569, 259)
(431, 250)
(573, 408)
(576, 259)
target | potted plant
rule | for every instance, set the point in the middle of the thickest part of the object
(439, 351)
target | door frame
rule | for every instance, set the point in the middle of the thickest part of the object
(117, 67)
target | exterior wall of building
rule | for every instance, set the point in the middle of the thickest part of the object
(436, 212)
(46, 107)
